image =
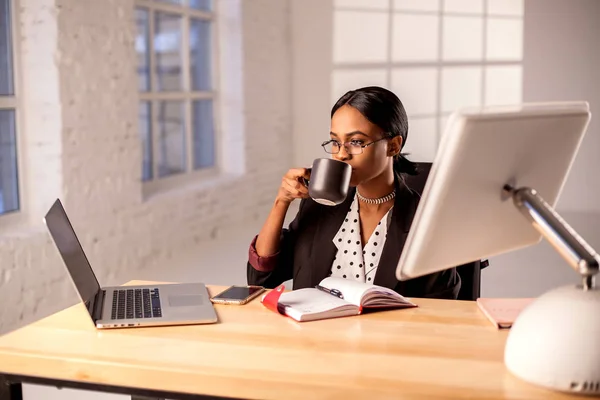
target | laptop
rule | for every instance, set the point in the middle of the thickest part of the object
(126, 306)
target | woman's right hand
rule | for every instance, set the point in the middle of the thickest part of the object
(292, 185)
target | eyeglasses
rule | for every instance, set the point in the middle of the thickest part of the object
(353, 147)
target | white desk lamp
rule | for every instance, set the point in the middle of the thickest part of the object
(487, 158)
(555, 342)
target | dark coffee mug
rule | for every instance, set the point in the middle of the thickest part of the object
(329, 181)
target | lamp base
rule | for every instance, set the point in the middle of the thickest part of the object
(555, 341)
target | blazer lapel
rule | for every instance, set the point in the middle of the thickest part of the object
(323, 249)
(402, 216)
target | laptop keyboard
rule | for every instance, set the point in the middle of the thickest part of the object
(136, 303)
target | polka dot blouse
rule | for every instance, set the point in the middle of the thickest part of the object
(352, 261)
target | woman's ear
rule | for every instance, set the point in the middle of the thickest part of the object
(395, 144)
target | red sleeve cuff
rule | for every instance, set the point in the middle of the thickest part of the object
(262, 264)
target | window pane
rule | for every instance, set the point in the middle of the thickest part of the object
(204, 134)
(422, 147)
(417, 5)
(142, 48)
(200, 51)
(171, 141)
(463, 6)
(419, 89)
(9, 187)
(405, 27)
(503, 84)
(167, 46)
(506, 7)
(461, 87)
(369, 44)
(6, 79)
(145, 127)
(504, 39)
(462, 38)
(364, 4)
(204, 5)
(343, 80)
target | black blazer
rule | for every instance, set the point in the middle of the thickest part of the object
(307, 250)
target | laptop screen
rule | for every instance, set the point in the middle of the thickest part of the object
(72, 253)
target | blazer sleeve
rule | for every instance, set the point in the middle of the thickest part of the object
(280, 265)
(444, 284)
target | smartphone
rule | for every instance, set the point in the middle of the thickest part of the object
(237, 295)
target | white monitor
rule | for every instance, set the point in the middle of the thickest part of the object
(464, 214)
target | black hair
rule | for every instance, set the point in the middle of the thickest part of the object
(384, 109)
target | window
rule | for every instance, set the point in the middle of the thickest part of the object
(9, 176)
(436, 55)
(176, 80)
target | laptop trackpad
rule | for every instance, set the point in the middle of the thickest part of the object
(186, 300)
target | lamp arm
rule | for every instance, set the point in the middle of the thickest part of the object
(576, 251)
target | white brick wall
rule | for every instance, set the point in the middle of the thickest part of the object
(81, 102)
(39, 78)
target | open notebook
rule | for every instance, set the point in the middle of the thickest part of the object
(337, 297)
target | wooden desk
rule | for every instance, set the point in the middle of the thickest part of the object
(441, 349)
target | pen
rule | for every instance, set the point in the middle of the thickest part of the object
(334, 292)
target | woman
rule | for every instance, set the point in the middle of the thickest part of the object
(363, 237)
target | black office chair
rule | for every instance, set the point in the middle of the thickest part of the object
(470, 274)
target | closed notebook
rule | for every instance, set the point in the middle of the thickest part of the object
(502, 312)
(337, 297)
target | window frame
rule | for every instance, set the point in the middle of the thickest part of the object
(157, 185)
(440, 116)
(15, 218)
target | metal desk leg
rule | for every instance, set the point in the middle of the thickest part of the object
(10, 390)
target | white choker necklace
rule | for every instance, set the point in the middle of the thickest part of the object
(379, 200)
